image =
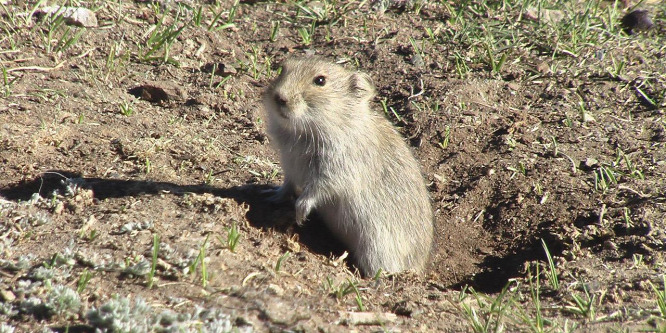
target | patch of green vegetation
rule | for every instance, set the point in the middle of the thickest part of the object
(349, 286)
(233, 236)
(281, 260)
(155, 254)
(201, 262)
(161, 37)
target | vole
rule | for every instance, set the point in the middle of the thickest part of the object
(348, 163)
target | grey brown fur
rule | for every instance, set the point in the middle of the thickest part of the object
(349, 163)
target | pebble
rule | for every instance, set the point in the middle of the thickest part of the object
(78, 16)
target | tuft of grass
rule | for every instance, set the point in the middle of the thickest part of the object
(637, 260)
(378, 275)
(387, 108)
(345, 288)
(84, 278)
(627, 218)
(446, 137)
(153, 267)
(212, 75)
(7, 82)
(618, 67)
(280, 261)
(231, 16)
(215, 19)
(494, 63)
(161, 39)
(552, 270)
(604, 177)
(126, 109)
(632, 170)
(148, 165)
(275, 30)
(521, 168)
(357, 295)
(306, 34)
(201, 261)
(582, 305)
(484, 313)
(254, 64)
(57, 30)
(661, 296)
(417, 49)
(233, 236)
(608, 174)
(116, 59)
(197, 15)
(461, 65)
(539, 322)
(13, 15)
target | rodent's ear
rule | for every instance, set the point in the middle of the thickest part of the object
(361, 86)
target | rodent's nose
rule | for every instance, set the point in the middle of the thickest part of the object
(280, 100)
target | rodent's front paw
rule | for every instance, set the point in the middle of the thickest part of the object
(277, 195)
(303, 209)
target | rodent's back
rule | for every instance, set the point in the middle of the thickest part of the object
(386, 190)
(372, 193)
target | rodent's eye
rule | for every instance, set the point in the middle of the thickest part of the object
(319, 80)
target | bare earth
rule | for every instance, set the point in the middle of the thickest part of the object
(554, 146)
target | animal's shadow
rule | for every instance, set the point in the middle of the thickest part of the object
(262, 213)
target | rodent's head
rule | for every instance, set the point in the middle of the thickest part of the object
(312, 89)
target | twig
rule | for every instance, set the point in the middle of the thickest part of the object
(640, 194)
(36, 68)
(417, 94)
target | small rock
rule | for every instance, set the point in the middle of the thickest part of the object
(548, 16)
(77, 16)
(544, 198)
(637, 21)
(318, 8)
(88, 224)
(417, 60)
(369, 318)
(591, 162)
(587, 118)
(610, 245)
(59, 208)
(543, 67)
(163, 264)
(143, 237)
(279, 313)
(642, 285)
(407, 309)
(275, 289)
(227, 69)
(513, 86)
(7, 296)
